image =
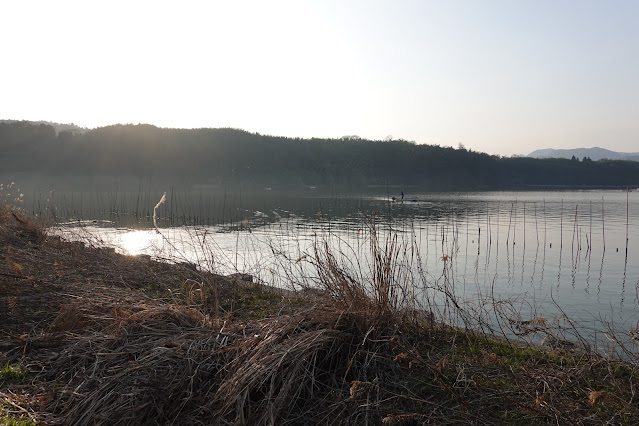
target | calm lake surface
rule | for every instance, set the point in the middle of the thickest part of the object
(571, 254)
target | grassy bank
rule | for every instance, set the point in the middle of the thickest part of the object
(89, 336)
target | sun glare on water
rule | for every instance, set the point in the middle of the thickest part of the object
(136, 242)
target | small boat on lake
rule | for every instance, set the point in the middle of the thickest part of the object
(405, 199)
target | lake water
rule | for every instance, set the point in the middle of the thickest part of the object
(571, 257)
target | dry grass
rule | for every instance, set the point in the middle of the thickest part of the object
(18, 227)
(172, 363)
(108, 339)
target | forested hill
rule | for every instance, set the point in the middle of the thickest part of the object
(231, 157)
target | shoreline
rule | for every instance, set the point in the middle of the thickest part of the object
(82, 325)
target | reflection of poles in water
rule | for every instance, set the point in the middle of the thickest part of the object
(467, 231)
(543, 261)
(489, 239)
(489, 245)
(575, 258)
(510, 279)
(476, 263)
(478, 232)
(625, 264)
(589, 240)
(427, 243)
(514, 237)
(514, 226)
(498, 214)
(559, 269)
(627, 214)
(603, 255)
(561, 226)
(524, 226)
(510, 220)
(536, 225)
(544, 224)
(523, 252)
(497, 244)
(435, 240)
(561, 245)
(532, 277)
(588, 256)
(574, 230)
(623, 282)
(603, 226)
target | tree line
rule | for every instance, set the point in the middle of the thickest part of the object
(231, 156)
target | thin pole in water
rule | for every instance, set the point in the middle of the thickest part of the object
(544, 222)
(561, 225)
(590, 243)
(536, 224)
(575, 226)
(524, 224)
(603, 226)
(627, 214)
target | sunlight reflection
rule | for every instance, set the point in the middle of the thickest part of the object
(136, 242)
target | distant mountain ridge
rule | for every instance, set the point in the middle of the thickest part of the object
(594, 154)
(59, 127)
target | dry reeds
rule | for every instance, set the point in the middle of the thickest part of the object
(379, 290)
(171, 364)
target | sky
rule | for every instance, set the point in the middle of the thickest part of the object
(498, 76)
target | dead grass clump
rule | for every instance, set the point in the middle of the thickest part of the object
(169, 364)
(141, 368)
(288, 367)
(16, 226)
(69, 319)
(378, 292)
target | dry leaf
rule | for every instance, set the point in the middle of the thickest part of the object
(595, 397)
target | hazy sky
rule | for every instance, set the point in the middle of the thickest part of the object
(503, 77)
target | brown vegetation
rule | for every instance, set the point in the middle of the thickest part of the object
(109, 339)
